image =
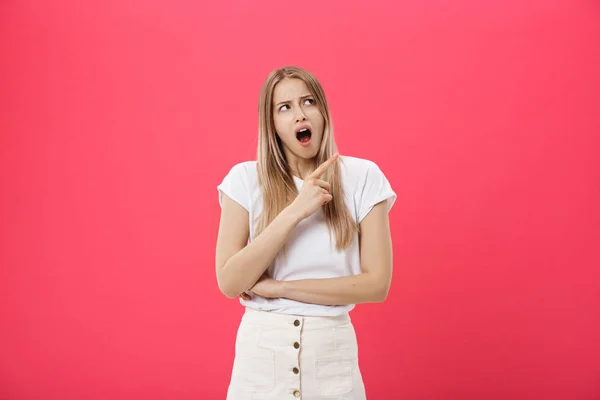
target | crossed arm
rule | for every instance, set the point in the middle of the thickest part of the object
(240, 267)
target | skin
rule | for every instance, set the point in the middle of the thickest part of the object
(294, 106)
(241, 267)
(371, 286)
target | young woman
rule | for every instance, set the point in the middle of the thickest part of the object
(303, 237)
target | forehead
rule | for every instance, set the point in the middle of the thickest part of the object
(290, 89)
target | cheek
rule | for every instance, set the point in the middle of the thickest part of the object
(316, 115)
(318, 121)
(281, 124)
(278, 124)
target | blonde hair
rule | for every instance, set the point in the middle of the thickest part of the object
(274, 174)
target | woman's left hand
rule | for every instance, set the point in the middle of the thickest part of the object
(267, 287)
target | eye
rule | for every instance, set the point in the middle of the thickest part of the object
(310, 101)
(281, 108)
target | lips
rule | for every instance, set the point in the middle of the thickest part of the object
(303, 134)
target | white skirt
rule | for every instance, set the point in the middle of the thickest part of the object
(279, 356)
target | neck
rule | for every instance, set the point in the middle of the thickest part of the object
(300, 167)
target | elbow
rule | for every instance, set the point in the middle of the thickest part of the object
(380, 296)
(381, 292)
(226, 289)
(377, 288)
(226, 282)
(230, 294)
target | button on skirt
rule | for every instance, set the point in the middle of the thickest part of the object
(279, 356)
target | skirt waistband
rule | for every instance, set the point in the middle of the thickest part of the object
(272, 319)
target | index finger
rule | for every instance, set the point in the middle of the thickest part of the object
(323, 167)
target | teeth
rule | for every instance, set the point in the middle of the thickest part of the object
(303, 130)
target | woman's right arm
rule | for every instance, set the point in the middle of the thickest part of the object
(240, 265)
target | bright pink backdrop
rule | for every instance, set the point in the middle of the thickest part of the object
(119, 118)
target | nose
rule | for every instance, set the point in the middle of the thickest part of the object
(300, 116)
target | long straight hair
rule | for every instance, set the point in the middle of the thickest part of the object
(274, 173)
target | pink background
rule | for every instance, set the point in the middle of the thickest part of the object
(119, 118)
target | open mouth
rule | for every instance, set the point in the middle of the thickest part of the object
(303, 135)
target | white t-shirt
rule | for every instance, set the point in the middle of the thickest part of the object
(311, 252)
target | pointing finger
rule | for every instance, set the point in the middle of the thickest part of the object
(323, 167)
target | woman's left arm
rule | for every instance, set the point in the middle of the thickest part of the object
(370, 286)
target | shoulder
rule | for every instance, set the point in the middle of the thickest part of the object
(243, 171)
(357, 168)
(243, 168)
(356, 161)
(367, 183)
(238, 183)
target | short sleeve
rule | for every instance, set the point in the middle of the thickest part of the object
(235, 186)
(375, 189)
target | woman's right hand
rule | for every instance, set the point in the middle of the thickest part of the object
(315, 192)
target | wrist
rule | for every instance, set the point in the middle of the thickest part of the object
(294, 216)
(283, 289)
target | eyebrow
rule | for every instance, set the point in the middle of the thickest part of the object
(301, 97)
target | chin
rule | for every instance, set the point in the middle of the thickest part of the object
(305, 152)
(308, 153)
